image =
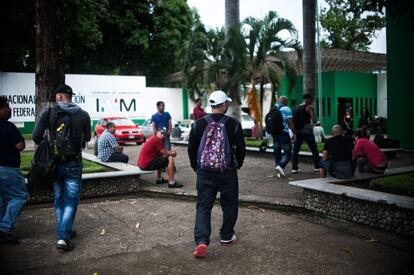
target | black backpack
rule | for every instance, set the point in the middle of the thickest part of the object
(42, 169)
(299, 117)
(65, 145)
(274, 121)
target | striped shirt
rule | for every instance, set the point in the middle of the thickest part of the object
(106, 145)
(286, 114)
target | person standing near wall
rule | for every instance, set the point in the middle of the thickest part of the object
(13, 192)
(162, 120)
(198, 111)
(69, 128)
(303, 116)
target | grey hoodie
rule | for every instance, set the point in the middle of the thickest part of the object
(80, 120)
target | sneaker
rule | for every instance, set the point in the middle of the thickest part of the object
(64, 245)
(161, 181)
(232, 241)
(280, 172)
(174, 185)
(8, 238)
(316, 170)
(200, 251)
(295, 171)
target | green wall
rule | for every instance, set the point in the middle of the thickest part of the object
(400, 57)
(336, 85)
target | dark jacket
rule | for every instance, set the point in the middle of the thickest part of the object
(81, 123)
(235, 135)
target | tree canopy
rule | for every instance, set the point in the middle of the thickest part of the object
(141, 37)
(350, 24)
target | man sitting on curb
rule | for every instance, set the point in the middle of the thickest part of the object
(108, 149)
(337, 156)
(154, 156)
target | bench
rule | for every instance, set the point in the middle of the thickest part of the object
(377, 209)
(121, 169)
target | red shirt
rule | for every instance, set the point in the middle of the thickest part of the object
(150, 151)
(198, 112)
(368, 149)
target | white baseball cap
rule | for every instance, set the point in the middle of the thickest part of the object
(218, 97)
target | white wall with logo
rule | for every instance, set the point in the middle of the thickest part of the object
(99, 95)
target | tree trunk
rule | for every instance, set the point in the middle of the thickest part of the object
(50, 66)
(309, 53)
(232, 20)
(232, 15)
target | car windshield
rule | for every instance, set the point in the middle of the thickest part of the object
(123, 122)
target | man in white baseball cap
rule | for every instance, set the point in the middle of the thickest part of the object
(216, 160)
(218, 97)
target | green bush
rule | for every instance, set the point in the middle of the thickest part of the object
(400, 184)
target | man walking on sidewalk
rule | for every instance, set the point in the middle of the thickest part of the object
(69, 128)
(281, 141)
(303, 116)
(13, 192)
(216, 149)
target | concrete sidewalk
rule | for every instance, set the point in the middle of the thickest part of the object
(155, 236)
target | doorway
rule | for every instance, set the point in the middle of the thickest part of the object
(345, 104)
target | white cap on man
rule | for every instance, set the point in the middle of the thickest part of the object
(218, 97)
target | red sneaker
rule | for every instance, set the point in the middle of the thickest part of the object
(200, 251)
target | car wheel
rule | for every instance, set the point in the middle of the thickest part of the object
(139, 143)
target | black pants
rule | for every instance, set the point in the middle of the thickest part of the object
(208, 184)
(118, 157)
(309, 138)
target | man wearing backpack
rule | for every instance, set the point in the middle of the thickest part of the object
(278, 126)
(13, 192)
(69, 128)
(216, 149)
(302, 117)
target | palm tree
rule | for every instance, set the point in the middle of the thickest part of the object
(309, 53)
(267, 60)
(212, 62)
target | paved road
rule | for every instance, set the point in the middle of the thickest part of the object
(110, 242)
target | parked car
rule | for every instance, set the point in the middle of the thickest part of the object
(126, 130)
(247, 124)
(185, 125)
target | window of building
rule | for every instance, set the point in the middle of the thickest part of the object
(329, 106)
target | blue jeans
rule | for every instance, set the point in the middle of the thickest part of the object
(309, 138)
(67, 187)
(13, 196)
(282, 142)
(167, 142)
(208, 184)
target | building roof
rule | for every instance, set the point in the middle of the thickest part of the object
(337, 60)
(333, 60)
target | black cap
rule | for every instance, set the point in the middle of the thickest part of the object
(64, 89)
(305, 96)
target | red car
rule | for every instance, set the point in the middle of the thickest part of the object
(126, 130)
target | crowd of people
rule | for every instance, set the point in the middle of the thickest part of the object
(216, 150)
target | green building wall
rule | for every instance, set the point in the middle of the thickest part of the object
(358, 88)
(400, 58)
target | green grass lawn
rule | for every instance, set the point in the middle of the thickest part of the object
(256, 143)
(400, 184)
(88, 166)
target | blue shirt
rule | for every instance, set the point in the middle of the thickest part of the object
(161, 120)
(106, 145)
(286, 114)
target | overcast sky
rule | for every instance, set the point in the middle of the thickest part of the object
(212, 14)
